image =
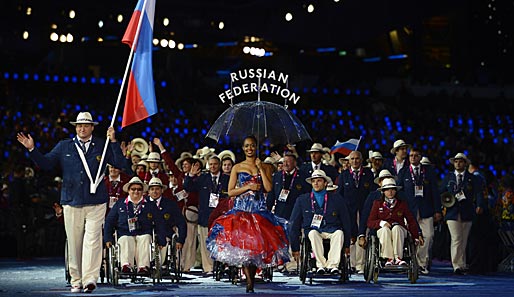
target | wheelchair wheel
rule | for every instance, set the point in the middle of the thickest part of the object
(112, 266)
(218, 270)
(344, 267)
(303, 261)
(267, 273)
(413, 272)
(371, 267)
(156, 272)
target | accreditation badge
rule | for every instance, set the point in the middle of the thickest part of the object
(316, 221)
(112, 200)
(182, 195)
(460, 196)
(282, 197)
(418, 191)
(132, 224)
(214, 199)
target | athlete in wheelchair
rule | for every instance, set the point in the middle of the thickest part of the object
(391, 223)
(175, 229)
(134, 219)
(323, 216)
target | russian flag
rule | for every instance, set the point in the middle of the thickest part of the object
(140, 101)
(345, 148)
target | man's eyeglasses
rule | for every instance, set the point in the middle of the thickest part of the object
(136, 189)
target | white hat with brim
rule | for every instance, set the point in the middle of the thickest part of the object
(140, 163)
(133, 181)
(398, 144)
(318, 174)
(375, 155)
(459, 156)
(425, 161)
(183, 156)
(190, 213)
(317, 147)
(153, 157)
(389, 183)
(155, 181)
(84, 118)
(344, 160)
(384, 173)
(227, 154)
(332, 187)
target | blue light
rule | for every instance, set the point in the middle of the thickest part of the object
(339, 113)
(177, 121)
(371, 60)
(40, 105)
(25, 76)
(100, 118)
(336, 91)
(325, 91)
(227, 43)
(78, 108)
(326, 49)
(366, 92)
(111, 81)
(15, 76)
(226, 86)
(312, 112)
(47, 77)
(56, 78)
(357, 92)
(397, 57)
(320, 112)
(93, 80)
(189, 46)
(348, 91)
(314, 90)
(409, 129)
(36, 77)
(176, 131)
(120, 81)
(203, 132)
(441, 143)
(505, 140)
(495, 140)
(66, 78)
(83, 80)
(102, 81)
(149, 120)
(163, 84)
(186, 131)
(148, 129)
(451, 123)
(306, 90)
(143, 133)
(74, 79)
(6, 75)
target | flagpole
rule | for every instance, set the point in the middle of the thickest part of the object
(136, 39)
(359, 142)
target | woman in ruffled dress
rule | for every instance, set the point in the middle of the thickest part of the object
(249, 234)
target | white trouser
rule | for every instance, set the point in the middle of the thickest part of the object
(427, 228)
(391, 241)
(84, 232)
(189, 247)
(336, 245)
(357, 253)
(207, 262)
(138, 247)
(459, 232)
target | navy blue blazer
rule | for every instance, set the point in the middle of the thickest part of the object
(172, 216)
(336, 218)
(431, 200)
(75, 182)
(203, 185)
(355, 196)
(148, 219)
(389, 165)
(299, 186)
(472, 187)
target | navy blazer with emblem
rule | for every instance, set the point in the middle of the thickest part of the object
(148, 219)
(75, 182)
(472, 186)
(355, 196)
(299, 186)
(172, 216)
(335, 218)
(330, 171)
(203, 185)
(431, 201)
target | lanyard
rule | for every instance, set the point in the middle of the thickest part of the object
(92, 184)
(421, 176)
(324, 204)
(137, 209)
(115, 190)
(292, 180)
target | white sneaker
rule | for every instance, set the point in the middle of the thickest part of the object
(423, 270)
(76, 289)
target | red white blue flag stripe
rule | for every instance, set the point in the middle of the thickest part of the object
(140, 101)
(345, 148)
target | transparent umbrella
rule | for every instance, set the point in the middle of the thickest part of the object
(267, 121)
